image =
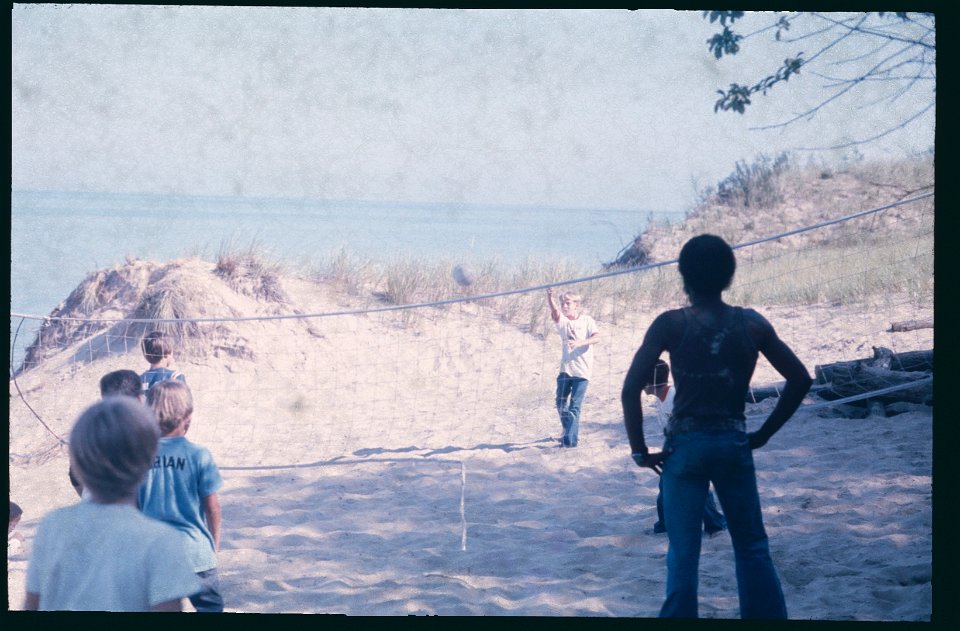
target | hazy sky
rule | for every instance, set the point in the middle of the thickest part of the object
(602, 109)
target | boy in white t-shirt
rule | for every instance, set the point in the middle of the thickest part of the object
(103, 554)
(578, 333)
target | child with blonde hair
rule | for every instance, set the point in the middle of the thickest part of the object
(103, 554)
(181, 489)
(578, 333)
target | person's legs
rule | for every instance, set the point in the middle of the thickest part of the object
(713, 520)
(208, 599)
(734, 478)
(578, 389)
(684, 493)
(660, 526)
(564, 385)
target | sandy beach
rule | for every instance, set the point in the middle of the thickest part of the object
(475, 511)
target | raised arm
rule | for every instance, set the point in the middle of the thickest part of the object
(554, 307)
(785, 361)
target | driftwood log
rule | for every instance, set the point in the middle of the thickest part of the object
(912, 361)
(840, 380)
(910, 325)
(884, 369)
(633, 255)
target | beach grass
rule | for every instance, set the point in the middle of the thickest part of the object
(251, 270)
(862, 261)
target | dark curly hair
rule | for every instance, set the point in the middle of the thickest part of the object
(707, 265)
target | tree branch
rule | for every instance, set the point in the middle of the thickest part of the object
(864, 141)
(852, 83)
(874, 33)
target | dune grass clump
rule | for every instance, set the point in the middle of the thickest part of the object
(840, 274)
(251, 272)
(352, 273)
(755, 184)
(172, 306)
(412, 280)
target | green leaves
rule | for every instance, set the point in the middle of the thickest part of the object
(723, 16)
(724, 43)
(737, 98)
(855, 46)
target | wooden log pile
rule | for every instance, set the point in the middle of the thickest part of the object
(840, 380)
(886, 368)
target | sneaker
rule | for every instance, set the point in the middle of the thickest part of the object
(713, 533)
(658, 529)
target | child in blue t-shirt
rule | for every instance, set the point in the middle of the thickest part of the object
(181, 489)
(158, 351)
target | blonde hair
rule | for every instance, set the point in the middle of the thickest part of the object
(172, 402)
(571, 295)
(112, 446)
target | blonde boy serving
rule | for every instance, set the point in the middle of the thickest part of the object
(578, 333)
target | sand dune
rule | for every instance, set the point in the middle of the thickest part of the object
(438, 488)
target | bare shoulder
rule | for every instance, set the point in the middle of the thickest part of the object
(753, 317)
(670, 318)
(760, 328)
(668, 324)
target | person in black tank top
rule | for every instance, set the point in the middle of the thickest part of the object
(713, 351)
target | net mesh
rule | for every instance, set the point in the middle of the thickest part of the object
(286, 372)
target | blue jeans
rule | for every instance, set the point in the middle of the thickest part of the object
(570, 392)
(713, 520)
(208, 599)
(724, 458)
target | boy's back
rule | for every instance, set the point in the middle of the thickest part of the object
(158, 374)
(92, 557)
(103, 554)
(182, 475)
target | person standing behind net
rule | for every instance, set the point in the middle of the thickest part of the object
(181, 489)
(103, 554)
(158, 351)
(713, 351)
(663, 395)
(124, 383)
(578, 333)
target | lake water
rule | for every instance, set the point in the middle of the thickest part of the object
(57, 238)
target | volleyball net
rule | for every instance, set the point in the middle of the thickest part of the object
(292, 372)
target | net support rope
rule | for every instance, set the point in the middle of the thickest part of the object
(480, 297)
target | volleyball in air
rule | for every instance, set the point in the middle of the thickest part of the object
(462, 275)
